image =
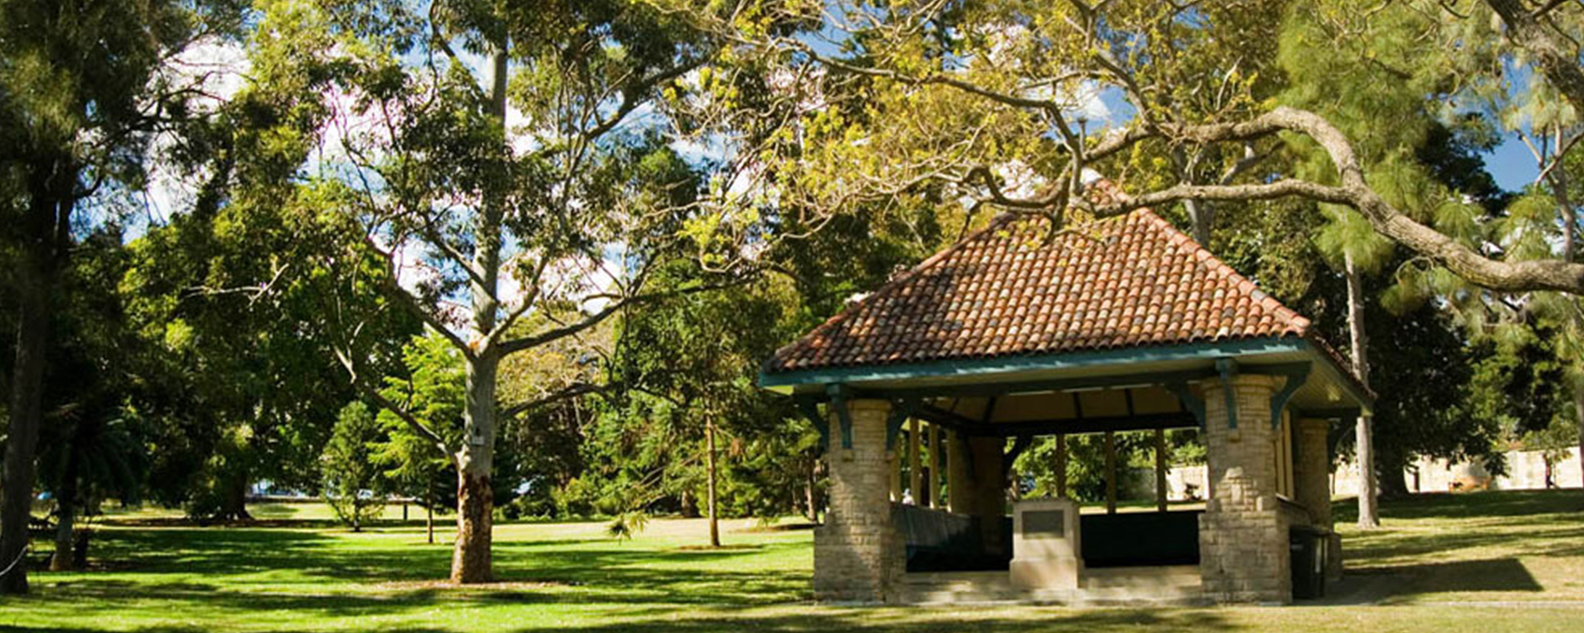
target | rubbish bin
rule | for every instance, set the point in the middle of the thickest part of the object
(1307, 546)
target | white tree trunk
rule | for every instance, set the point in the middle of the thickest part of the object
(1368, 515)
(471, 560)
(714, 520)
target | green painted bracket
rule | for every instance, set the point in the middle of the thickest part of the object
(1296, 377)
(838, 398)
(901, 410)
(808, 405)
(1228, 368)
(1194, 404)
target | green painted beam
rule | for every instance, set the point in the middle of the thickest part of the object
(964, 425)
(1069, 426)
(901, 410)
(1190, 402)
(990, 366)
(1333, 413)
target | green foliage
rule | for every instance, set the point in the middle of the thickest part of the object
(432, 390)
(1086, 464)
(352, 482)
(624, 526)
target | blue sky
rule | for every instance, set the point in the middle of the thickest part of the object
(1512, 165)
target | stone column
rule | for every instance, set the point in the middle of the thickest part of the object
(959, 481)
(915, 469)
(1312, 469)
(976, 486)
(858, 554)
(1243, 554)
(1312, 483)
(989, 492)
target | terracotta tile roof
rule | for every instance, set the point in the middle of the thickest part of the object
(1127, 281)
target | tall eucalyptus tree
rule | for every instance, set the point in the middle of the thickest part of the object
(511, 166)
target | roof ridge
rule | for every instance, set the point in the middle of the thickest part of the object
(925, 264)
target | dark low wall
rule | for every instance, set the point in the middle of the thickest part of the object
(938, 540)
(1141, 538)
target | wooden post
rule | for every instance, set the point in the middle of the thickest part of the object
(1061, 466)
(894, 463)
(915, 477)
(935, 467)
(1160, 469)
(1111, 490)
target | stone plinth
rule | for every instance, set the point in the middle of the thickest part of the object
(1046, 544)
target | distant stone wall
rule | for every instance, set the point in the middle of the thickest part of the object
(1525, 471)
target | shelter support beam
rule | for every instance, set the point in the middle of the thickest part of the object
(935, 467)
(1160, 469)
(1312, 479)
(915, 476)
(1061, 466)
(1110, 472)
(958, 473)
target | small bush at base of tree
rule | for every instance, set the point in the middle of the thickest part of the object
(350, 476)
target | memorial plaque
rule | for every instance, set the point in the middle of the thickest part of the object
(1045, 523)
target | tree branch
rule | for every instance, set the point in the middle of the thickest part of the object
(386, 403)
(572, 391)
(393, 289)
(1557, 61)
(1355, 192)
(528, 342)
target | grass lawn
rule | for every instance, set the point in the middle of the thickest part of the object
(1500, 561)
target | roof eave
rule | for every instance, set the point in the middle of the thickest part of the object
(787, 381)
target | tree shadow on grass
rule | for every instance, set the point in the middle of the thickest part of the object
(1446, 505)
(1401, 582)
(825, 620)
(1387, 545)
(923, 620)
(213, 568)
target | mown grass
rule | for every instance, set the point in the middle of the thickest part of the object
(1507, 561)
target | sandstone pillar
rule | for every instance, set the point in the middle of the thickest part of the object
(1312, 478)
(1243, 555)
(1312, 470)
(859, 555)
(977, 487)
(989, 492)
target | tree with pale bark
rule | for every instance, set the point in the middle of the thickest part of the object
(513, 168)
